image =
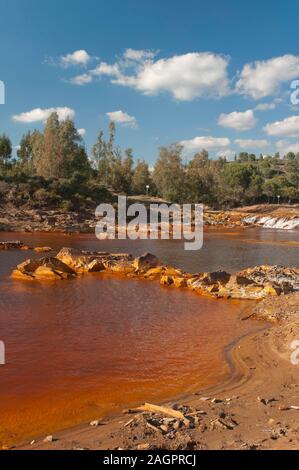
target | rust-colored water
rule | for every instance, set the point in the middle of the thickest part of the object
(80, 349)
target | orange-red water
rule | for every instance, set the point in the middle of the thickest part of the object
(79, 349)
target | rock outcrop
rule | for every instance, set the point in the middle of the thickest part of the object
(252, 283)
(81, 261)
(13, 245)
(43, 249)
(43, 269)
(146, 262)
(95, 261)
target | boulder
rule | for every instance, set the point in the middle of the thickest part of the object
(279, 277)
(154, 273)
(119, 267)
(13, 245)
(180, 282)
(43, 249)
(166, 280)
(82, 261)
(221, 277)
(146, 262)
(43, 269)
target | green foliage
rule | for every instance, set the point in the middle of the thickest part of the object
(5, 150)
(52, 170)
(169, 175)
(141, 179)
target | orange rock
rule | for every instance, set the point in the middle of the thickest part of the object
(166, 280)
(42, 249)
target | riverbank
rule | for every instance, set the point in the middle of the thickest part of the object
(256, 408)
(22, 219)
(137, 430)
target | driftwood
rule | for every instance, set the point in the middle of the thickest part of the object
(163, 410)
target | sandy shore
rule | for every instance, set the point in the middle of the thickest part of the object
(256, 408)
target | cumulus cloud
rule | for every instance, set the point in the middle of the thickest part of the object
(251, 143)
(76, 58)
(82, 132)
(39, 114)
(122, 118)
(240, 121)
(288, 127)
(138, 55)
(185, 77)
(106, 69)
(265, 106)
(264, 78)
(284, 147)
(205, 142)
(81, 79)
(228, 154)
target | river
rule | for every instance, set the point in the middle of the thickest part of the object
(80, 349)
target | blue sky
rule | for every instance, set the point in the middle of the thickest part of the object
(176, 71)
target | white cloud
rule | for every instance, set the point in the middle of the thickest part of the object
(79, 58)
(264, 78)
(228, 154)
(251, 143)
(82, 132)
(81, 79)
(39, 114)
(138, 55)
(284, 147)
(288, 127)
(205, 142)
(265, 106)
(106, 69)
(122, 118)
(186, 77)
(240, 121)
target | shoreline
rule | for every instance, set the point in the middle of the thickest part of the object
(31, 220)
(247, 389)
(258, 396)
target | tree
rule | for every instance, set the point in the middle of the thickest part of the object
(200, 179)
(127, 169)
(5, 150)
(99, 153)
(72, 151)
(292, 169)
(168, 175)
(141, 177)
(25, 153)
(58, 151)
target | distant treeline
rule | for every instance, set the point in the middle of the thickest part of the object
(52, 169)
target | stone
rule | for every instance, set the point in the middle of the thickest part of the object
(95, 423)
(119, 267)
(42, 249)
(146, 262)
(179, 282)
(221, 277)
(81, 261)
(154, 273)
(13, 245)
(43, 269)
(166, 280)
